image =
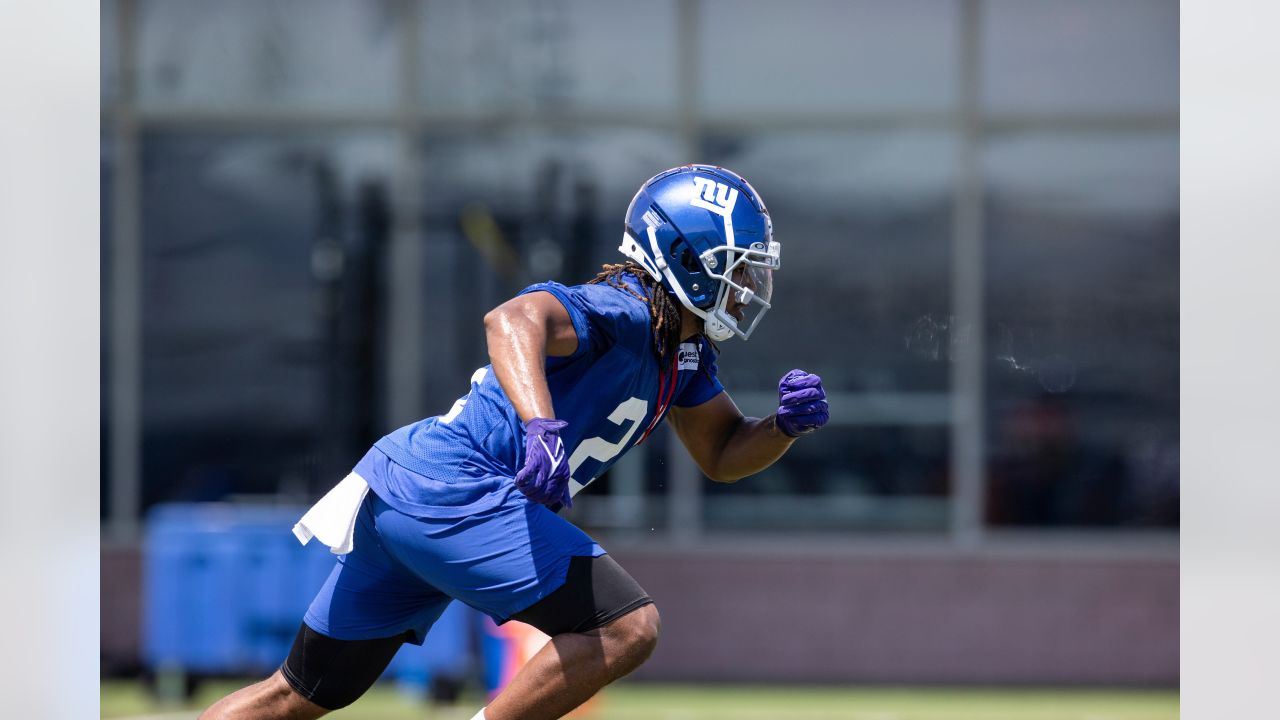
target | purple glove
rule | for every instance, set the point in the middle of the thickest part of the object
(802, 403)
(545, 476)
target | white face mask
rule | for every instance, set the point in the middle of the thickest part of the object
(746, 288)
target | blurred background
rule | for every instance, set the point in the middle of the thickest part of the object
(308, 206)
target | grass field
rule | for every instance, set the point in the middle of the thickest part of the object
(637, 701)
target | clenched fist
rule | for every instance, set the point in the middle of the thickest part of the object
(802, 404)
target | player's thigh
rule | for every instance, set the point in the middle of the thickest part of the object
(500, 562)
(596, 592)
(332, 673)
(370, 595)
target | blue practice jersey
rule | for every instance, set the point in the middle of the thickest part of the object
(609, 390)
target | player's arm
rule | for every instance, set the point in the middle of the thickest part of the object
(725, 444)
(728, 446)
(521, 333)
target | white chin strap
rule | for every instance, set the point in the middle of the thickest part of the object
(717, 327)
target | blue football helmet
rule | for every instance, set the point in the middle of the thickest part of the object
(705, 234)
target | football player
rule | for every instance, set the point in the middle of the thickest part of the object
(464, 505)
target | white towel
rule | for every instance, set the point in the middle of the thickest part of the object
(333, 518)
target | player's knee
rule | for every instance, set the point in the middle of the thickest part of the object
(638, 631)
(292, 704)
(316, 699)
(271, 698)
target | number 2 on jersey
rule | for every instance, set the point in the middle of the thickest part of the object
(631, 411)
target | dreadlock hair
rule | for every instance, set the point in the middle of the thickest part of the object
(663, 309)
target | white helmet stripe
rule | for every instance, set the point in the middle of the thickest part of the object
(719, 199)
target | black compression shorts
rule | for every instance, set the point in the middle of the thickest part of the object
(334, 673)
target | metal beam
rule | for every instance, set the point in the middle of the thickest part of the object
(685, 122)
(125, 278)
(684, 480)
(968, 438)
(406, 256)
(687, 79)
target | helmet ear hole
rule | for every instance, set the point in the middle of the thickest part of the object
(689, 261)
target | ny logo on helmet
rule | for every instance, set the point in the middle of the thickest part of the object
(716, 197)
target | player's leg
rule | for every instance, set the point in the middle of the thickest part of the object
(321, 674)
(272, 698)
(520, 560)
(602, 626)
(573, 667)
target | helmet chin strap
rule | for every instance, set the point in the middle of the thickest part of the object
(712, 326)
(717, 330)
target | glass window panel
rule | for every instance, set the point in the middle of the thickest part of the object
(260, 259)
(864, 219)
(550, 55)
(507, 208)
(843, 478)
(1121, 173)
(1085, 56)
(1082, 328)
(827, 56)
(236, 54)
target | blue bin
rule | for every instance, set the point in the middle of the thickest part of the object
(226, 586)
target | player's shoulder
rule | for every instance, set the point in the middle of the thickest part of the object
(605, 298)
(599, 296)
(614, 313)
(619, 312)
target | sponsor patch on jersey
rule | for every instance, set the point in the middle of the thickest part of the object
(689, 356)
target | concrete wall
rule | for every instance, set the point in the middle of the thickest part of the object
(120, 608)
(912, 619)
(867, 616)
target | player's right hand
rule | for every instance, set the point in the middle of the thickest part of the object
(545, 476)
(802, 404)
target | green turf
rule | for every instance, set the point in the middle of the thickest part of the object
(636, 701)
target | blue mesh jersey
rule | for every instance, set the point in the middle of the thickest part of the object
(608, 391)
